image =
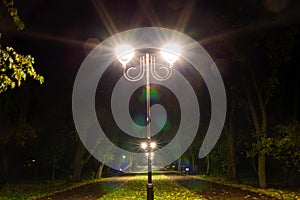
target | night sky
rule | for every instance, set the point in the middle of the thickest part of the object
(60, 33)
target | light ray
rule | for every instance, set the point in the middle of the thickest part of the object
(47, 37)
(105, 17)
(281, 21)
(149, 13)
(137, 19)
(185, 15)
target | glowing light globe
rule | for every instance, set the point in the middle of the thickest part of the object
(144, 145)
(124, 53)
(170, 52)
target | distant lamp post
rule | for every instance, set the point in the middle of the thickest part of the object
(124, 53)
(149, 148)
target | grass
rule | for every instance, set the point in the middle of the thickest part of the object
(37, 189)
(276, 193)
(134, 188)
(164, 188)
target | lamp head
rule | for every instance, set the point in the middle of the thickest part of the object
(124, 53)
(170, 52)
(144, 145)
(153, 145)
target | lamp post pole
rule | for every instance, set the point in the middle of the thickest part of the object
(150, 193)
(170, 53)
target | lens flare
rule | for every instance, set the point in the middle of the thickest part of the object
(170, 52)
(154, 95)
(124, 53)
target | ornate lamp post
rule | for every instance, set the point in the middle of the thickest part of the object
(124, 54)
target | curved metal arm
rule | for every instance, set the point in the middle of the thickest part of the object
(131, 70)
(160, 72)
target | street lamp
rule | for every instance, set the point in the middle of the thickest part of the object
(124, 53)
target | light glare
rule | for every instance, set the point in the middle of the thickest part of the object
(144, 145)
(124, 53)
(153, 145)
(170, 52)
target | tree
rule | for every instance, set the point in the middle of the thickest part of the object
(107, 156)
(15, 67)
(231, 167)
(260, 128)
(261, 87)
(193, 152)
(14, 128)
(284, 146)
(81, 158)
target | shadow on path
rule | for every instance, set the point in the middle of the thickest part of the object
(211, 190)
(89, 191)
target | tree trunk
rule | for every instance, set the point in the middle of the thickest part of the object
(179, 164)
(261, 170)
(53, 171)
(260, 130)
(291, 178)
(99, 171)
(285, 180)
(231, 167)
(254, 166)
(193, 164)
(207, 166)
(3, 166)
(263, 133)
(78, 161)
(296, 95)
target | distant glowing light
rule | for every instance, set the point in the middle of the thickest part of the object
(170, 52)
(124, 53)
(144, 145)
(153, 145)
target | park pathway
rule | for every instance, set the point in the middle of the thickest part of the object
(90, 191)
(167, 186)
(213, 191)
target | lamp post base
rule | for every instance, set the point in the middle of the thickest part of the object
(150, 193)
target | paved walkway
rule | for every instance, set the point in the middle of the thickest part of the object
(134, 187)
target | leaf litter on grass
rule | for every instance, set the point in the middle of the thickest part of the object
(164, 189)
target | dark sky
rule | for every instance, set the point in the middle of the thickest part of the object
(57, 31)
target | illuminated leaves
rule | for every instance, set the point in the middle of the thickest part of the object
(13, 12)
(270, 192)
(284, 146)
(164, 188)
(14, 69)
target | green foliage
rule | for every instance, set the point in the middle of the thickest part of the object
(14, 68)
(275, 193)
(280, 46)
(13, 12)
(284, 146)
(37, 189)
